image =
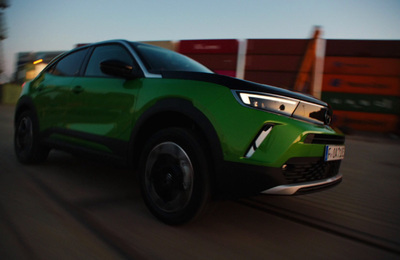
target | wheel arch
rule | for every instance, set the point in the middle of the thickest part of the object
(175, 112)
(24, 103)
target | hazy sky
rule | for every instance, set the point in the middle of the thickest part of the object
(45, 25)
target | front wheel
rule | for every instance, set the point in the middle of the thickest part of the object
(174, 176)
(27, 146)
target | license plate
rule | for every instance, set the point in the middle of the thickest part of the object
(334, 152)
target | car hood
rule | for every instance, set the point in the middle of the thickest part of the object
(238, 84)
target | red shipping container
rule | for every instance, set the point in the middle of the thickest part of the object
(277, 46)
(362, 66)
(361, 121)
(230, 73)
(363, 48)
(361, 84)
(216, 61)
(273, 62)
(279, 79)
(208, 46)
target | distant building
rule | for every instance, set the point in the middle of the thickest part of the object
(30, 64)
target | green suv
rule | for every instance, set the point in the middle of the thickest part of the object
(189, 134)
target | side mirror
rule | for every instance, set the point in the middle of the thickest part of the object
(118, 69)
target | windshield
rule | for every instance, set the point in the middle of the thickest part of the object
(158, 59)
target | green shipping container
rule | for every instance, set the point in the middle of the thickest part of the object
(363, 102)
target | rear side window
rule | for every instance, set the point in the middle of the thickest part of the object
(103, 53)
(69, 65)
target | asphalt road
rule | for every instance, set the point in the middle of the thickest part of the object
(71, 208)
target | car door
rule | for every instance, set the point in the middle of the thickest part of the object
(103, 104)
(53, 90)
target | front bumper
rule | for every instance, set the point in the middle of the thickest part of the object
(306, 187)
(300, 176)
(284, 159)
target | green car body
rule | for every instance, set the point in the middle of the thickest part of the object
(250, 138)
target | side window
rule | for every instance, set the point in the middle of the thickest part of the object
(106, 52)
(70, 65)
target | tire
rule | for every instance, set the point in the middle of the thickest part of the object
(26, 140)
(174, 176)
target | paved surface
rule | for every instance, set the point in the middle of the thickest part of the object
(70, 208)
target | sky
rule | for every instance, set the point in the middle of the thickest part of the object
(50, 25)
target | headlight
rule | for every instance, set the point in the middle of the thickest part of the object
(291, 107)
(272, 103)
(313, 113)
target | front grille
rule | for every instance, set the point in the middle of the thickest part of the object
(299, 170)
(324, 139)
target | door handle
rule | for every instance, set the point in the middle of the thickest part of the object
(77, 89)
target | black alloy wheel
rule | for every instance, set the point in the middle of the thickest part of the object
(174, 176)
(26, 142)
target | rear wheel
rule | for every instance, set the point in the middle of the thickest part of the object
(174, 176)
(26, 141)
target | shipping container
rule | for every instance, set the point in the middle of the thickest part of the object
(230, 73)
(216, 61)
(296, 47)
(363, 102)
(209, 46)
(362, 121)
(283, 63)
(279, 79)
(275, 62)
(361, 84)
(362, 66)
(363, 48)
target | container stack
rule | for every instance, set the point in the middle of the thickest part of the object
(274, 61)
(170, 45)
(218, 55)
(362, 83)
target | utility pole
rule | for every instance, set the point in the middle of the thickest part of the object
(3, 34)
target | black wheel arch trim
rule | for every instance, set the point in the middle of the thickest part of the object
(24, 103)
(184, 108)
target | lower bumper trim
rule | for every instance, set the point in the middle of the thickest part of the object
(305, 187)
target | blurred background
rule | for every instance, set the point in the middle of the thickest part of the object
(344, 52)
